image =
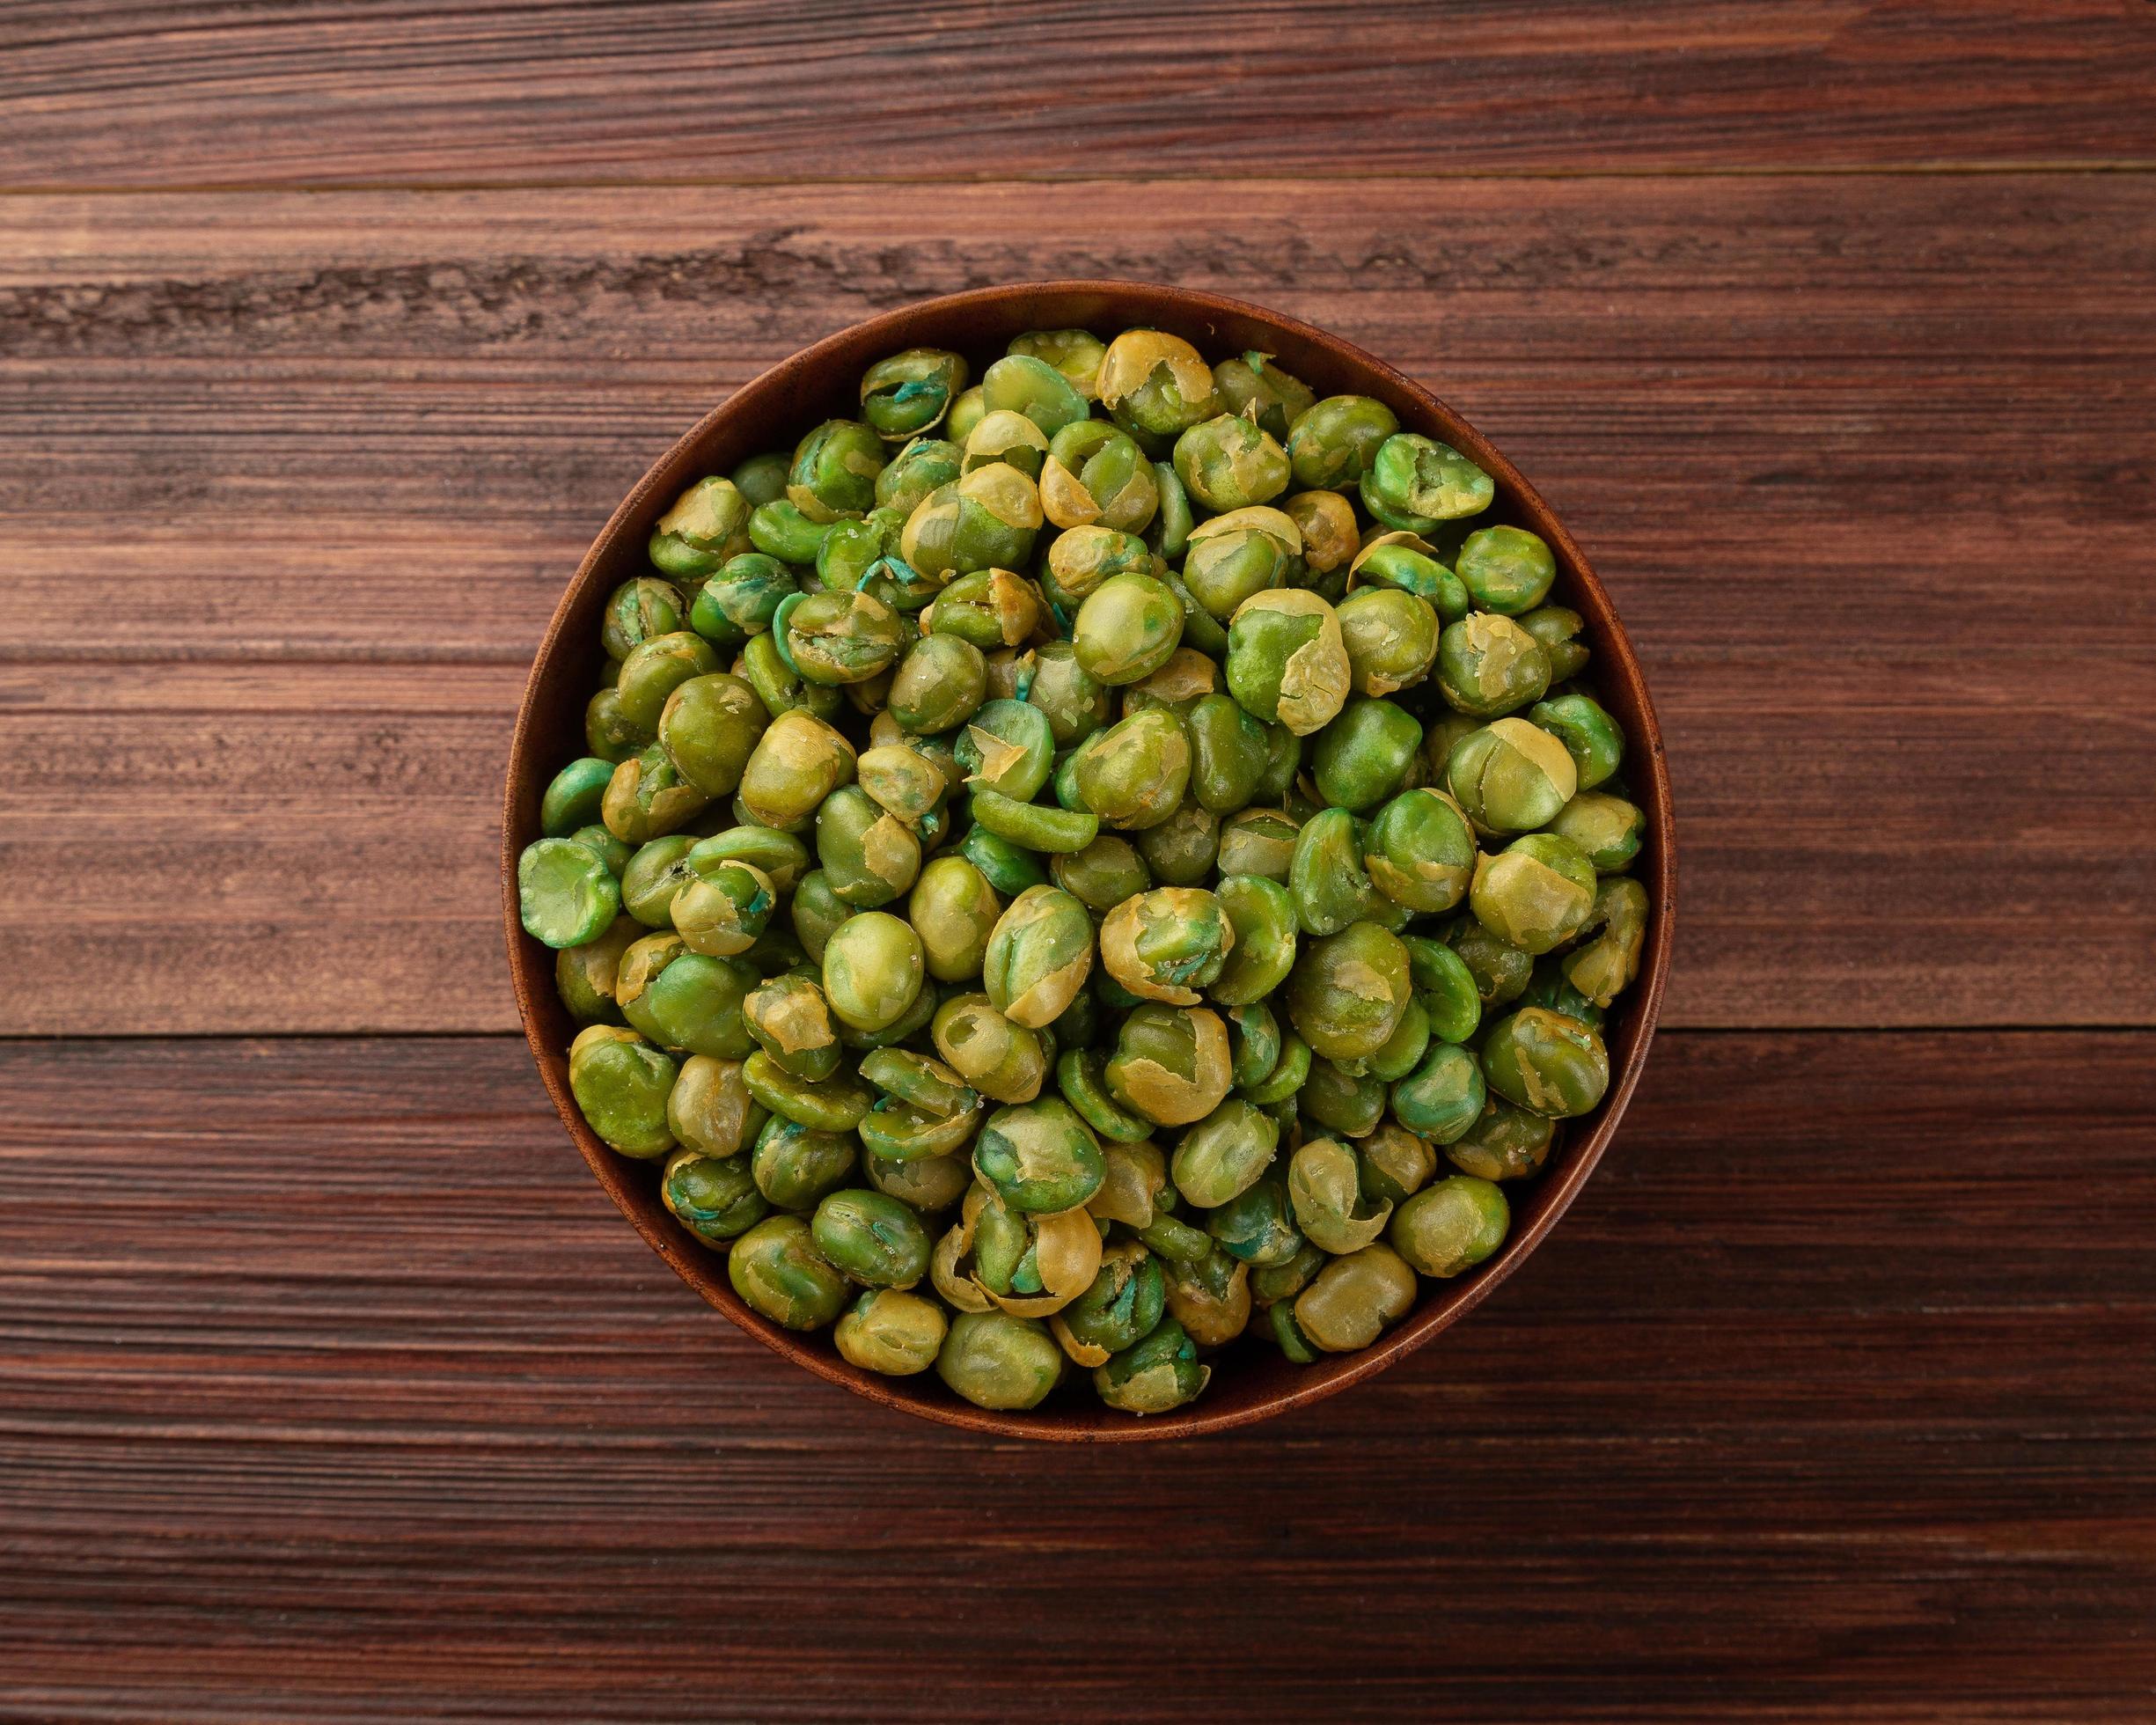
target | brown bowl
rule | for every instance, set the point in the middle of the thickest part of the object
(822, 381)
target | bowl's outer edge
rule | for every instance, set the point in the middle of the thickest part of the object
(820, 379)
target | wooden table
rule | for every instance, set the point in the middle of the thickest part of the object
(329, 1386)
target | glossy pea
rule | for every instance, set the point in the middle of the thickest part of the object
(1362, 758)
(1261, 916)
(778, 1273)
(1451, 1227)
(713, 1197)
(1349, 991)
(1443, 1096)
(1507, 569)
(1331, 443)
(620, 1082)
(1546, 1062)
(1535, 894)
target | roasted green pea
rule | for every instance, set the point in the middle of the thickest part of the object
(1133, 775)
(1511, 776)
(1170, 1063)
(791, 1021)
(1558, 630)
(870, 856)
(1535, 894)
(910, 392)
(930, 1184)
(1505, 1143)
(1602, 968)
(1102, 874)
(780, 687)
(795, 1165)
(1546, 1062)
(1154, 1376)
(615, 853)
(1414, 482)
(1008, 438)
(1038, 956)
(1253, 1043)
(684, 1000)
(654, 669)
(915, 471)
(1331, 443)
(999, 1362)
(584, 974)
(1325, 1184)
(1445, 989)
(1443, 1097)
(968, 408)
(1040, 1156)
(647, 797)
(835, 1104)
(1022, 384)
(1167, 944)
(873, 970)
(707, 524)
(1394, 1164)
(1610, 829)
(816, 914)
(1228, 753)
(1225, 1154)
(1354, 1299)
(1488, 665)
(840, 638)
(1507, 569)
(1033, 825)
(1328, 878)
(1549, 987)
(1075, 353)
(608, 734)
(990, 608)
(1391, 638)
(1155, 385)
(709, 727)
(1363, 757)
(781, 529)
(713, 1197)
(1096, 475)
(870, 1237)
(1230, 463)
(778, 1273)
(1259, 951)
(1259, 841)
(1009, 867)
(566, 894)
(903, 781)
(986, 520)
(1124, 1304)
(891, 1332)
(1252, 385)
(798, 762)
(1170, 535)
(1004, 1061)
(1452, 1226)
(939, 685)
(1501, 971)
(1420, 852)
(1209, 1296)
(1590, 735)
(575, 796)
(741, 598)
(1075, 702)
(620, 1082)
(1127, 627)
(1007, 747)
(1407, 563)
(1181, 850)
(1079, 1077)
(782, 857)
(1349, 991)
(834, 470)
(953, 909)
(1287, 663)
(1249, 550)
(762, 478)
(724, 908)
(654, 874)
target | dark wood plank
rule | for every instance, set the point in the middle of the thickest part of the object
(1855, 457)
(134, 93)
(330, 1386)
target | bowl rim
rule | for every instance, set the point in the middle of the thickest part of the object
(1438, 1306)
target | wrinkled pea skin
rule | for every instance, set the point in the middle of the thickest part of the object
(1099, 851)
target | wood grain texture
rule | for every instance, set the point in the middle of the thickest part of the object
(329, 1386)
(1858, 460)
(136, 92)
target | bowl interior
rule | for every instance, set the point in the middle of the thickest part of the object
(821, 382)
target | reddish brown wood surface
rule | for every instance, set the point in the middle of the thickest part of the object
(136, 92)
(334, 1388)
(1861, 461)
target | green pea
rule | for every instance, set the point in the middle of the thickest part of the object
(873, 1238)
(778, 1273)
(905, 782)
(1040, 1157)
(1075, 702)
(1324, 1184)
(1507, 569)
(761, 479)
(1182, 851)
(1414, 482)
(1171, 1064)
(709, 727)
(1075, 353)
(566, 894)
(917, 469)
(1230, 463)
(654, 669)
(713, 1197)
(985, 521)
(1390, 637)
(1452, 1226)
(1407, 563)
(1403, 1050)
(573, 797)
(741, 598)
(610, 849)
(1260, 952)
(620, 1082)
(1102, 874)
(1127, 627)
(1079, 1076)
(910, 392)
(873, 968)
(967, 410)
(990, 608)
(930, 1184)
(834, 470)
(1331, 444)
(1354, 1299)
(782, 857)
(1097, 476)
(1328, 878)
(1394, 1164)
(725, 908)
(654, 877)
(835, 1104)
(707, 525)
(1287, 663)
(1154, 1376)
(1603, 967)
(999, 1362)
(798, 762)
(1248, 551)
(1511, 776)
(1019, 383)
(953, 909)
(1004, 1061)
(686, 1000)
(1250, 385)
(939, 685)
(1590, 735)
(638, 609)
(1008, 438)
(1253, 1043)
(1443, 1097)
(1259, 841)
(1558, 630)
(1229, 751)
(1033, 827)
(1155, 385)
(1546, 1062)
(790, 1021)
(1348, 1103)
(584, 974)
(1134, 774)
(1224, 1154)
(870, 856)
(1009, 748)
(1166, 944)
(1608, 828)
(1488, 666)
(1348, 992)
(1535, 894)
(1505, 1143)
(1038, 956)
(1501, 970)
(838, 638)
(780, 687)
(1363, 757)
(647, 797)
(1170, 535)
(1008, 866)
(795, 1165)
(608, 733)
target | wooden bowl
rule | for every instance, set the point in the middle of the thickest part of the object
(822, 381)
